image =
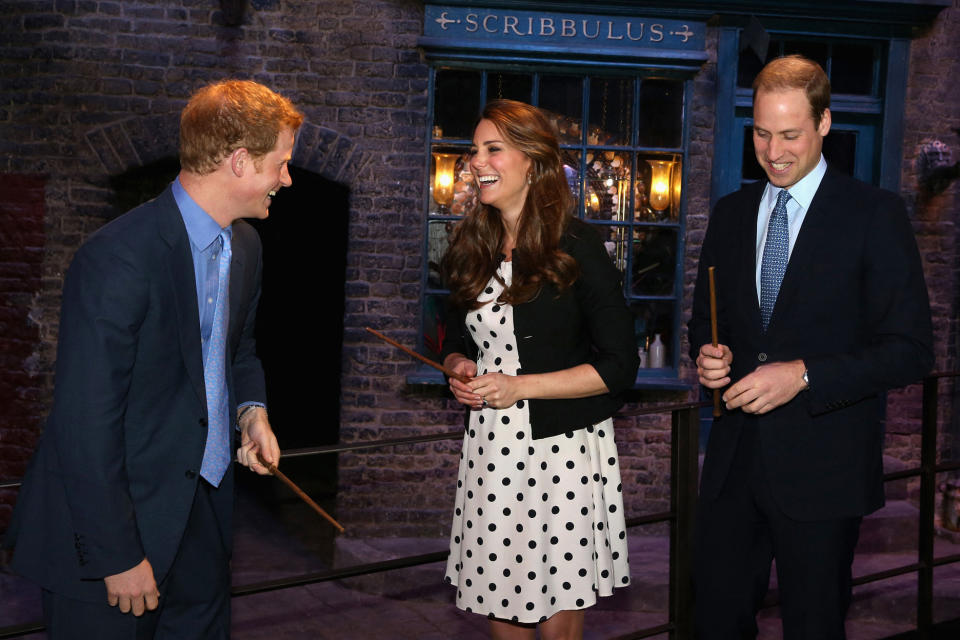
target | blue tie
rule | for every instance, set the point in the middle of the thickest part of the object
(216, 454)
(776, 253)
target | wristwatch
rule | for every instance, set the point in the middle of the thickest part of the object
(806, 378)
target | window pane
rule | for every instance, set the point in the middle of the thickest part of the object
(571, 167)
(852, 69)
(510, 86)
(563, 97)
(654, 261)
(611, 111)
(451, 184)
(658, 189)
(654, 318)
(608, 186)
(456, 100)
(661, 113)
(614, 239)
(817, 51)
(749, 66)
(434, 327)
(437, 241)
(840, 150)
(751, 168)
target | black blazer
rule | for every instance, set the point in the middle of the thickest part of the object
(587, 323)
(853, 305)
(115, 472)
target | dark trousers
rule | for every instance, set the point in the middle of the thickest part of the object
(194, 595)
(741, 532)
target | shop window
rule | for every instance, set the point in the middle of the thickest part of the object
(622, 140)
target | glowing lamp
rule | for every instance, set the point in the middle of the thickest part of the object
(443, 181)
(660, 190)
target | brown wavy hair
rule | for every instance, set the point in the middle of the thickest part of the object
(475, 246)
(230, 115)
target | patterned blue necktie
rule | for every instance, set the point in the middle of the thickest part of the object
(216, 454)
(776, 253)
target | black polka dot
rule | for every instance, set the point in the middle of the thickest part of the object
(554, 540)
(505, 481)
(556, 479)
(506, 511)
(504, 603)
(611, 461)
(568, 556)
(555, 510)
(582, 573)
(579, 602)
(583, 542)
(532, 513)
(493, 586)
(505, 451)
(505, 420)
(488, 290)
(509, 347)
(570, 464)
(520, 404)
(495, 308)
(506, 573)
(555, 449)
(531, 482)
(497, 361)
(613, 508)
(566, 586)
(469, 582)
(491, 466)
(486, 345)
(529, 606)
(604, 574)
(571, 495)
(531, 575)
(491, 527)
(624, 579)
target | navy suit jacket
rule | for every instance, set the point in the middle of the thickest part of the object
(113, 477)
(853, 305)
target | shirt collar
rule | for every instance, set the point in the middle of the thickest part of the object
(201, 228)
(806, 187)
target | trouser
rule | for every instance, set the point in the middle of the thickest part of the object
(194, 595)
(741, 532)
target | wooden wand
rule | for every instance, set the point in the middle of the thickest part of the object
(717, 411)
(436, 365)
(297, 490)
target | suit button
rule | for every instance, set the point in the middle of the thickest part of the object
(203, 422)
(190, 474)
(762, 357)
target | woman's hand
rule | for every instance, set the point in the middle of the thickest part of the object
(498, 389)
(459, 363)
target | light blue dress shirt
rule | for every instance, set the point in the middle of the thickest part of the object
(801, 195)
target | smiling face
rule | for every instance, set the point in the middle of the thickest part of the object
(264, 176)
(500, 170)
(786, 140)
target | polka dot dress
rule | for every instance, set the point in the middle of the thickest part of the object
(538, 525)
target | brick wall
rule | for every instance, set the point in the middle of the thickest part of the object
(932, 113)
(21, 386)
(92, 89)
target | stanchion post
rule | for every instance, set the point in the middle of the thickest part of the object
(928, 482)
(685, 435)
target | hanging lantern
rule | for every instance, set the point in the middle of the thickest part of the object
(443, 180)
(660, 189)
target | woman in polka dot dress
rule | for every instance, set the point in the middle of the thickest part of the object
(540, 325)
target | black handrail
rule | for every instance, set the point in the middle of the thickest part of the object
(683, 494)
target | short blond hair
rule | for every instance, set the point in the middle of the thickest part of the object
(796, 72)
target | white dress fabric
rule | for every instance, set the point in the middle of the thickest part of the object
(538, 525)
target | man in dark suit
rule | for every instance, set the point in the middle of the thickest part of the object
(126, 508)
(822, 307)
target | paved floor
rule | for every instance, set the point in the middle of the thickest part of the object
(278, 538)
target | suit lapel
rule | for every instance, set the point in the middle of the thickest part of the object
(184, 286)
(816, 226)
(749, 301)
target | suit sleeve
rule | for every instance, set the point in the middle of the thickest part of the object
(599, 292)
(104, 301)
(894, 315)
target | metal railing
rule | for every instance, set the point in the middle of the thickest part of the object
(685, 426)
